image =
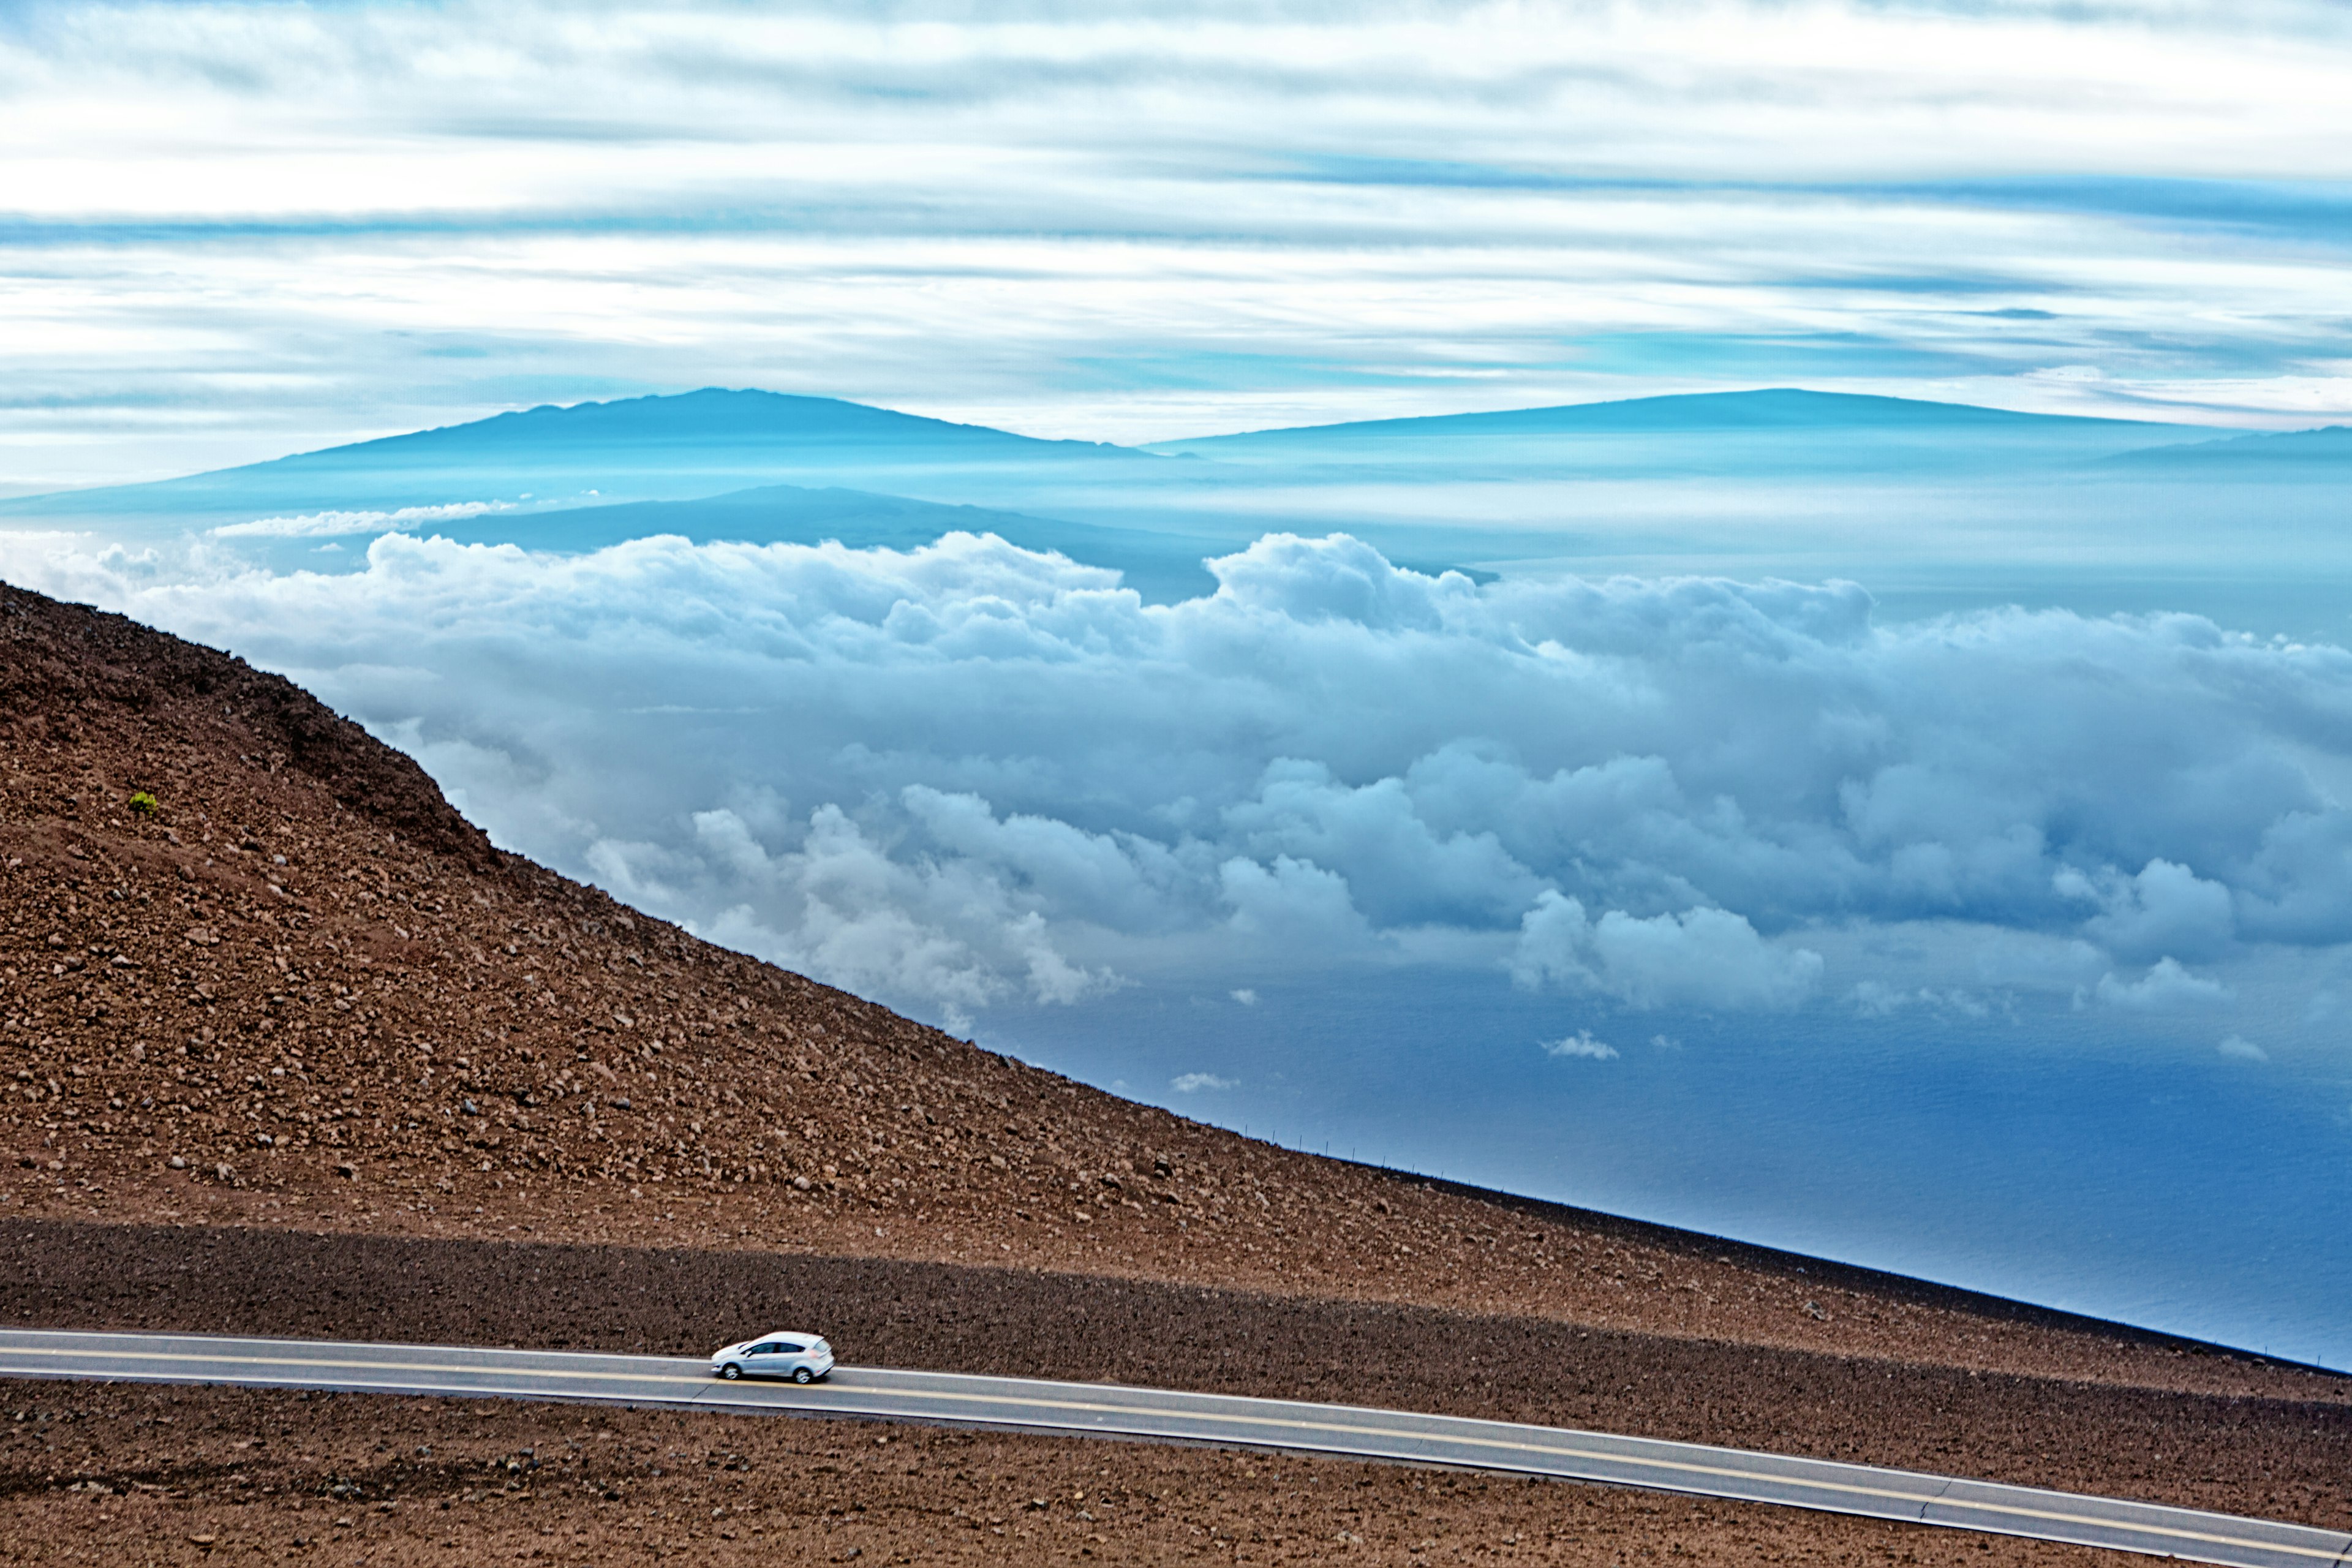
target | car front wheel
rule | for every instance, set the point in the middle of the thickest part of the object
(803, 1374)
(731, 1372)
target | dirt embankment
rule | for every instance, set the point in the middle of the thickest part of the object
(185, 1476)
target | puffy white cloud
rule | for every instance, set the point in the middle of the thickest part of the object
(1877, 999)
(1699, 958)
(838, 904)
(1580, 1045)
(330, 524)
(1295, 903)
(2167, 987)
(2164, 910)
(1703, 958)
(968, 777)
(2240, 1048)
(1399, 869)
(1194, 1082)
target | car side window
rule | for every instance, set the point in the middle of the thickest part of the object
(759, 1349)
(789, 1349)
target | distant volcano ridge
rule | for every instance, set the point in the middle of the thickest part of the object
(2323, 453)
(1787, 408)
(667, 448)
(710, 415)
(717, 439)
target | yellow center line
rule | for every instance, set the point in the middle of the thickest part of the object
(1291, 1423)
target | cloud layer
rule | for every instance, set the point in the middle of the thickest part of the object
(231, 230)
(967, 777)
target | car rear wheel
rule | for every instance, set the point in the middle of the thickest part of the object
(731, 1372)
(803, 1374)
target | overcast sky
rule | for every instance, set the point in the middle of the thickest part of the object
(227, 231)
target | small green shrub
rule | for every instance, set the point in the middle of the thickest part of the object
(144, 804)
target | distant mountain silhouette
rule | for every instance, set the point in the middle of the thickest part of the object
(2322, 454)
(1768, 409)
(712, 417)
(717, 443)
(696, 443)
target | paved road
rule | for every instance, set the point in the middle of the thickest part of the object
(1107, 1410)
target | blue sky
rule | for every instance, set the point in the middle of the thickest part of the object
(231, 230)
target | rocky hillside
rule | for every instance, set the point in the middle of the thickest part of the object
(254, 968)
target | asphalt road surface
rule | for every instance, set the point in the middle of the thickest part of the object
(1107, 1410)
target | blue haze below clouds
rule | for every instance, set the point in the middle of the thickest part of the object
(1976, 900)
(2193, 1193)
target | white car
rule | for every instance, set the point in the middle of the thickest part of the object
(804, 1358)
